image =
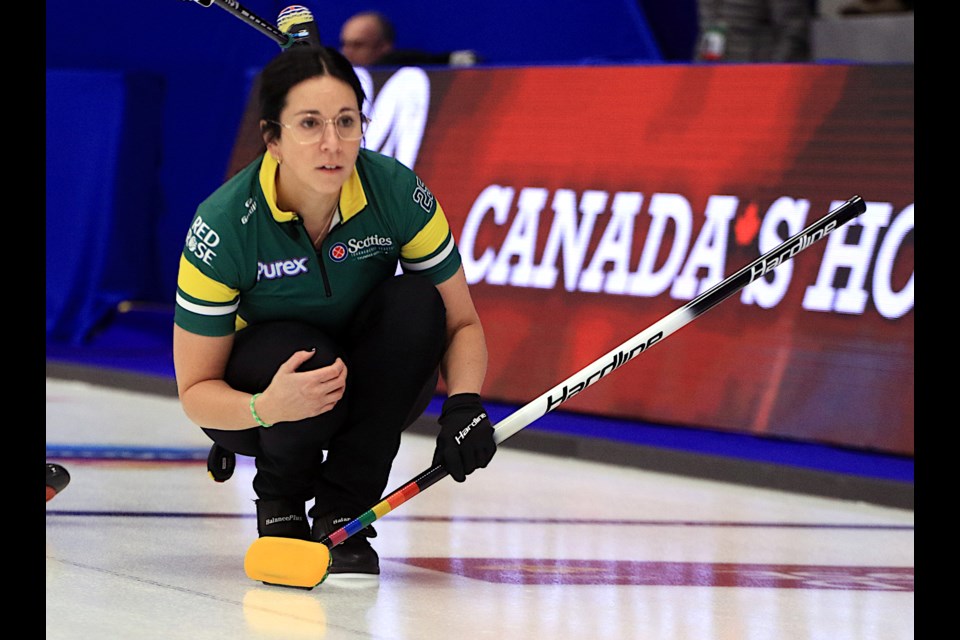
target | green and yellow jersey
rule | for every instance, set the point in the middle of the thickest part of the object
(245, 261)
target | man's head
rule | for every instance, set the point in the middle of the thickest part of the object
(366, 37)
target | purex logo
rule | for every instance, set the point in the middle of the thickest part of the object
(281, 268)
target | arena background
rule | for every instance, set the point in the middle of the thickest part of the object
(592, 114)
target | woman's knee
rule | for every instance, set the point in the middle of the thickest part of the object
(408, 309)
(260, 349)
(246, 442)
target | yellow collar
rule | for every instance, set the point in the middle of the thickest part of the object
(352, 197)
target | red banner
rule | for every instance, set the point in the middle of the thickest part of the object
(590, 202)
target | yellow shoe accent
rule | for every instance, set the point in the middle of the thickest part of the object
(287, 562)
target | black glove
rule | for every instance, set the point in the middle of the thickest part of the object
(465, 443)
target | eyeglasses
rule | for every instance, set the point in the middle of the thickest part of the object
(308, 128)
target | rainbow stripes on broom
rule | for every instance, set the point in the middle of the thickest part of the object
(385, 506)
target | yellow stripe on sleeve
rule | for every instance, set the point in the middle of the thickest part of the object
(429, 239)
(197, 285)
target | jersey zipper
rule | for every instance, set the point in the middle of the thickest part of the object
(323, 270)
(319, 254)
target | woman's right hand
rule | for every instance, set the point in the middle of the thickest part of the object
(295, 395)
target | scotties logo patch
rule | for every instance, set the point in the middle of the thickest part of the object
(338, 252)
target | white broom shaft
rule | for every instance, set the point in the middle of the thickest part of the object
(655, 334)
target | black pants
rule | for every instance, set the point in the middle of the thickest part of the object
(392, 351)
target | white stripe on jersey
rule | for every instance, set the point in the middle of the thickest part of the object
(206, 311)
(435, 260)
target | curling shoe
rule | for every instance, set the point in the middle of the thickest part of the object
(282, 518)
(354, 557)
(221, 463)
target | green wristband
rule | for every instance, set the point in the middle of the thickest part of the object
(253, 412)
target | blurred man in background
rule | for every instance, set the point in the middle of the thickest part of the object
(367, 40)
